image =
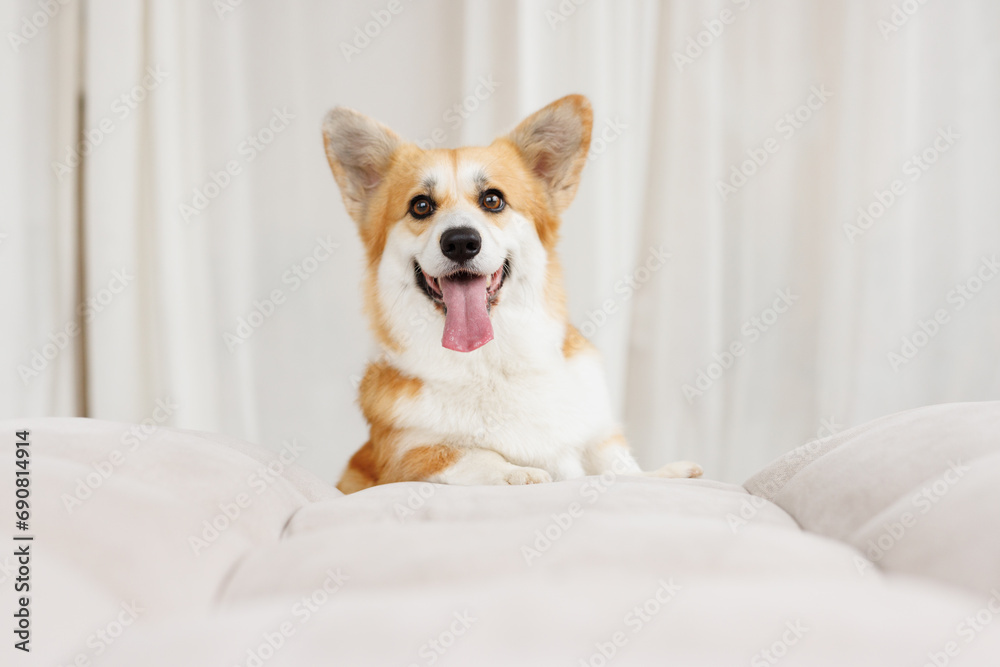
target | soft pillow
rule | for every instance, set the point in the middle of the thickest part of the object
(123, 522)
(917, 492)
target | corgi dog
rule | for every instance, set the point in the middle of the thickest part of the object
(482, 379)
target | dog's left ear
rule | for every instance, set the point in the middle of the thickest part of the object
(554, 142)
(360, 152)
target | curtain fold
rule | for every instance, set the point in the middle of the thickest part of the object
(41, 298)
(862, 290)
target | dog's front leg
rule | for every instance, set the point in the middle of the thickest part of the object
(482, 466)
(610, 455)
(613, 455)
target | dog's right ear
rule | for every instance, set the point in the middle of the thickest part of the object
(554, 142)
(360, 152)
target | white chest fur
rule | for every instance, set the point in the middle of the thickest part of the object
(539, 409)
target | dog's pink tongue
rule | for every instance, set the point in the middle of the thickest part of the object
(467, 323)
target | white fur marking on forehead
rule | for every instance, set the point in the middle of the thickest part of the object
(437, 178)
(473, 175)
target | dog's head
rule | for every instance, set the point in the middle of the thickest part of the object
(459, 238)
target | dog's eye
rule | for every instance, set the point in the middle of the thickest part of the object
(492, 200)
(421, 207)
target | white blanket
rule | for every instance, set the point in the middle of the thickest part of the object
(622, 571)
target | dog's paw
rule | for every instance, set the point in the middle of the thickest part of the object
(524, 475)
(683, 469)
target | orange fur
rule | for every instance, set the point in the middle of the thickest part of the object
(615, 440)
(382, 388)
(377, 463)
(361, 472)
(574, 343)
(555, 293)
(420, 463)
(380, 391)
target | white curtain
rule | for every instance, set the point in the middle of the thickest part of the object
(204, 206)
(39, 278)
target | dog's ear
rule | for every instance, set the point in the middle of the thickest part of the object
(360, 152)
(554, 142)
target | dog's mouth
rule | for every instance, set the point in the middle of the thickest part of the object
(466, 298)
(431, 286)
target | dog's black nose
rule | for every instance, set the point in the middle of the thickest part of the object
(461, 244)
